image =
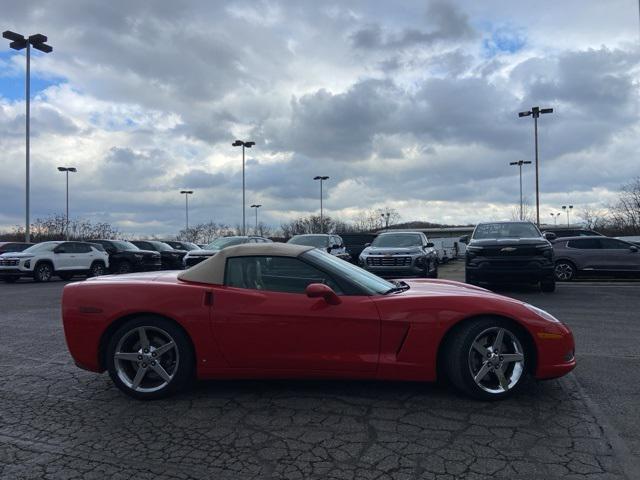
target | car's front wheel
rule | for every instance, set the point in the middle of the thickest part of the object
(43, 272)
(564, 271)
(487, 359)
(149, 358)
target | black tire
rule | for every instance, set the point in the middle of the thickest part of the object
(434, 272)
(10, 279)
(97, 269)
(179, 361)
(470, 280)
(549, 285)
(459, 353)
(65, 276)
(124, 267)
(564, 271)
(43, 272)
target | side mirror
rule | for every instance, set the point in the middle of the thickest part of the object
(464, 239)
(549, 236)
(320, 290)
(633, 248)
(430, 245)
(367, 245)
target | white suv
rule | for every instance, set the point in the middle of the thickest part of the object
(64, 259)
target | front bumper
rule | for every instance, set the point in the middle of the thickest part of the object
(521, 271)
(556, 354)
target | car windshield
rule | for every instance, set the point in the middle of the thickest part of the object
(161, 246)
(398, 240)
(371, 283)
(505, 230)
(42, 247)
(318, 241)
(222, 242)
(123, 245)
(186, 246)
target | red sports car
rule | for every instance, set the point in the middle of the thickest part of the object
(291, 311)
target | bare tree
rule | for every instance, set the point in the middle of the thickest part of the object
(625, 214)
(528, 213)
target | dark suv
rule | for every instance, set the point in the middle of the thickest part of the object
(564, 232)
(171, 258)
(509, 252)
(125, 257)
(355, 243)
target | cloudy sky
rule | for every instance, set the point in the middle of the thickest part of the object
(411, 105)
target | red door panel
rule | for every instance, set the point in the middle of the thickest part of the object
(290, 331)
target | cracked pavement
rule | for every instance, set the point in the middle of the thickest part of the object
(57, 421)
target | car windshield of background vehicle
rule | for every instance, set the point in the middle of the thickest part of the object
(318, 241)
(398, 240)
(162, 247)
(223, 242)
(122, 245)
(370, 283)
(41, 247)
(505, 230)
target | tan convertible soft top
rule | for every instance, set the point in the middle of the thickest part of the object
(212, 269)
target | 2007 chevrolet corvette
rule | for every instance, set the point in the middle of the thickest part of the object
(290, 311)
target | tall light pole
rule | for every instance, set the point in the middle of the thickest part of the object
(243, 144)
(519, 163)
(322, 179)
(66, 170)
(186, 194)
(555, 217)
(568, 210)
(535, 113)
(18, 42)
(256, 206)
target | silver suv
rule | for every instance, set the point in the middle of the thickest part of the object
(576, 255)
(400, 253)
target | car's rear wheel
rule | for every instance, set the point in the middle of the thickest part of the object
(149, 358)
(43, 272)
(487, 359)
(564, 271)
(97, 269)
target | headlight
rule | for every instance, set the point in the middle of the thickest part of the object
(546, 250)
(543, 313)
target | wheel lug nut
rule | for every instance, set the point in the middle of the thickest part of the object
(146, 350)
(153, 363)
(144, 365)
(139, 357)
(153, 354)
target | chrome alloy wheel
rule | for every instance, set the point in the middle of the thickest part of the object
(496, 360)
(563, 272)
(146, 359)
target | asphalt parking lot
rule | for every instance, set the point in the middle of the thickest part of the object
(57, 421)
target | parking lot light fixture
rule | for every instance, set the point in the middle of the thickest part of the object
(555, 217)
(256, 206)
(535, 112)
(186, 194)
(322, 179)
(568, 210)
(519, 163)
(67, 170)
(18, 42)
(243, 144)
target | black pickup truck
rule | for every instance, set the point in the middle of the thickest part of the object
(508, 253)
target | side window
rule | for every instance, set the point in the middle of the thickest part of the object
(584, 244)
(66, 247)
(81, 248)
(613, 244)
(275, 274)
